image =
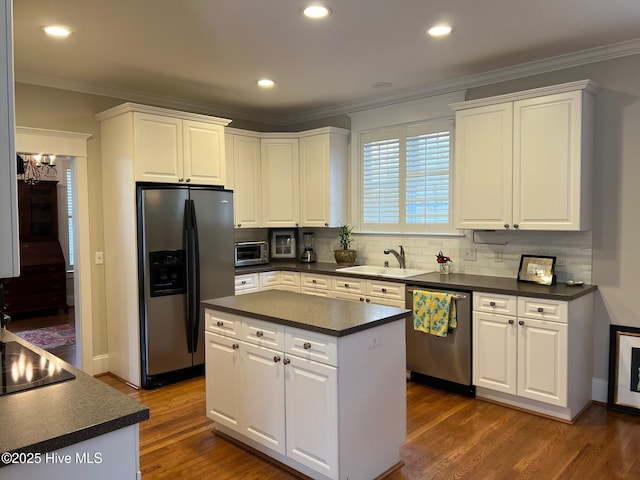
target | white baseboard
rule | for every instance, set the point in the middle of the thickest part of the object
(100, 364)
(599, 389)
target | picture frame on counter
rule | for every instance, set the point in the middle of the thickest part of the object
(624, 369)
(537, 269)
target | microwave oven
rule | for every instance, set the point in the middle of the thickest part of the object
(251, 253)
(283, 244)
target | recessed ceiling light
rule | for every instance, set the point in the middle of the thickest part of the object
(56, 31)
(439, 30)
(266, 83)
(316, 11)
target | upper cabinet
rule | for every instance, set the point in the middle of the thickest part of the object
(323, 178)
(288, 179)
(170, 146)
(524, 161)
(9, 247)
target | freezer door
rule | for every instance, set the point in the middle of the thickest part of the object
(163, 319)
(214, 219)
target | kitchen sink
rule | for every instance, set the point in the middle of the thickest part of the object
(376, 271)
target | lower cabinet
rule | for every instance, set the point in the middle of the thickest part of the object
(523, 354)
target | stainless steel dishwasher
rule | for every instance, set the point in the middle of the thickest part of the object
(443, 362)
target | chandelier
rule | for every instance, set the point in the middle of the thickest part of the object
(32, 168)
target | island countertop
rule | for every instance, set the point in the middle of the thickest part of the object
(51, 417)
(319, 314)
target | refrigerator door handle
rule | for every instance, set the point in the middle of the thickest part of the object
(188, 242)
(195, 275)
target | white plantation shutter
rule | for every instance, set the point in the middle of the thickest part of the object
(405, 179)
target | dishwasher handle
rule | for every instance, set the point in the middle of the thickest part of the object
(454, 296)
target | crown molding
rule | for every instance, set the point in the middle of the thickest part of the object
(593, 55)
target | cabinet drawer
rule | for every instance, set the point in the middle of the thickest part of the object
(265, 334)
(290, 279)
(348, 285)
(311, 346)
(310, 280)
(390, 290)
(494, 303)
(269, 280)
(543, 309)
(226, 324)
(247, 283)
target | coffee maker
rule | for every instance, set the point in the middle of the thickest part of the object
(308, 255)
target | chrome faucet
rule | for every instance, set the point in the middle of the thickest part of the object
(399, 256)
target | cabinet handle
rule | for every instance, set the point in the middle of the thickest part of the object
(306, 345)
(368, 300)
(286, 361)
(235, 346)
(259, 333)
(516, 226)
(243, 282)
(384, 290)
(511, 322)
(181, 179)
(346, 285)
(276, 358)
(362, 299)
(506, 225)
(188, 180)
(220, 323)
(493, 304)
(314, 281)
(521, 322)
(540, 309)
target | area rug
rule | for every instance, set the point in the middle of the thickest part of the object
(50, 337)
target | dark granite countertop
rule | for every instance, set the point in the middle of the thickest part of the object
(55, 416)
(319, 314)
(454, 281)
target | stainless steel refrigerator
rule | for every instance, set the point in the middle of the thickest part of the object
(185, 255)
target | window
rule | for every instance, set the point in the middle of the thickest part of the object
(405, 179)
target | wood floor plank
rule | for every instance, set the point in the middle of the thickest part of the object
(448, 437)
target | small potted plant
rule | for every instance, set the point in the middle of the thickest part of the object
(443, 262)
(345, 256)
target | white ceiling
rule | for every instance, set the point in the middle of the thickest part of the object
(209, 53)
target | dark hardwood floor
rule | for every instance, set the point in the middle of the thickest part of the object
(47, 319)
(448, 437)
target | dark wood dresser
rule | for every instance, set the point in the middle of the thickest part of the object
(42, 281)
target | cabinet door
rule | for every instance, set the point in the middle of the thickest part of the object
(314, 181)
(483, 167)
(542, 361)
(263, 380)
(280, 182)
(158, 148)
(246, 173)
(312, 414)
(204, 161)
(494, 352)
(547, 162)
(223, 380)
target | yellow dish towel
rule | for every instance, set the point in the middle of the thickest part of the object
(434, 312)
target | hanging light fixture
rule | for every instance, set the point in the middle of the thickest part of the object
(35, 167)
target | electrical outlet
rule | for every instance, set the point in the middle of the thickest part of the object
(470, 254)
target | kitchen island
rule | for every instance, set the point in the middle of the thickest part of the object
(75, 429)
(317, 384)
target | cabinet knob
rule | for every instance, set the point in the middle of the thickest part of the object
(259, 333)
(516, 226)
(220, 323)
(362, 299)
(540, 309)
(511, 322)
(368, 300)
(521, 322)
(314, 281)
(188, 180)
(243, 282)
(181, 179)
(383, 290)
(493, 304)
(326, 224)
(276, 358)
(239, 225)
(296, 224)
(346, 285)
(306, 345)
(235, 346)
(506, 225)
(286, 361)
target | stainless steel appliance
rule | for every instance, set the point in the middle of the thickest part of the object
(443, 362)
(185, 255)
(283, 244)
(251, 253)
(307, 255)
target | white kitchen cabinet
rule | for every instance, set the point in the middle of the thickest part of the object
(537, 359)
(9, 246)
(280, 173)
(369, 291)
(247, 181)
(247, 283)
(323, 177)
(524, 160)
(315, 284)
(280, 280)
